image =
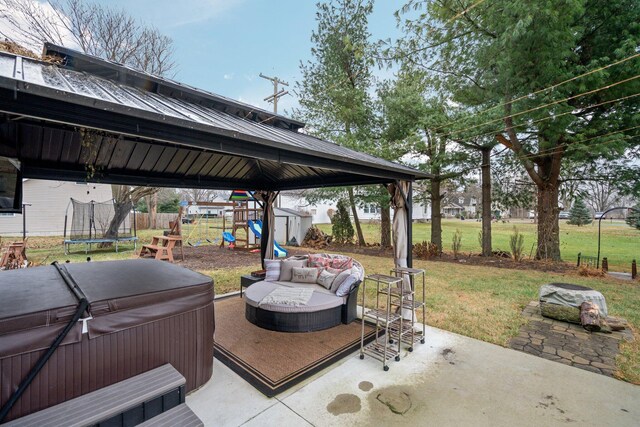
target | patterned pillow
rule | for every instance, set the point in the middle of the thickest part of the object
(287, 265)
(345, 286)
(341, 263)
(304, 275)
(318, 261)
(273, 269)
(325, 279)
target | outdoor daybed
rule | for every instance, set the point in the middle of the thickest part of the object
(333, 293)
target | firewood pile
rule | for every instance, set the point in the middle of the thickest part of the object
(316, 238)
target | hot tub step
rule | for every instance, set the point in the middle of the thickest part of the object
(128, 402)
(181, 416)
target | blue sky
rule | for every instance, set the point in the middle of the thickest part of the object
(223, 45)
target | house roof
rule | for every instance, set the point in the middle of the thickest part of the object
(98, 120)
(292, 212)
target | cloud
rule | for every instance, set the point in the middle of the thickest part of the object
(195, 11)
(228, 76)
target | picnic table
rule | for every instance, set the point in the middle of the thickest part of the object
(161, 248)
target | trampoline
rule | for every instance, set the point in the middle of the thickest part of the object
(90, 222)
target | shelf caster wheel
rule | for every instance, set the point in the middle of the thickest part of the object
(422, 341)
(397, 358)
(385, 368)
(361, 356)
(410, 349)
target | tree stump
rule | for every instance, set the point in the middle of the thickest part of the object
(590, 317)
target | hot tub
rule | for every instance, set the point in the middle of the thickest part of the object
(142, 314)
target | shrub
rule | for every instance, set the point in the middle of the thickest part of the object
(579, 214)
(425, 250)
(633, 219)
(341, 228)
(516, 241)
(456, 243)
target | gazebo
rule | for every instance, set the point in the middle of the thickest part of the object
(83, 118)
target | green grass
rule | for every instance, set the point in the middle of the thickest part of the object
(476, 301)
(620, 243)
(486, 303)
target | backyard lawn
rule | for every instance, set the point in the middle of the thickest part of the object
(620, 243)
(477, 301)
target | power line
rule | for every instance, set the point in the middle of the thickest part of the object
(609, 86)
(546, 88)
(550, 117)
(277, 94)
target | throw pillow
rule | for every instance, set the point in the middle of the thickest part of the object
(325, 279)
(335, 271)
(287, 265)
(304, 275)
(273, 269)
(345, 286)
(341, 263)
(318, 261)
(339, 279)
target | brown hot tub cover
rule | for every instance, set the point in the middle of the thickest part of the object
(144, 313)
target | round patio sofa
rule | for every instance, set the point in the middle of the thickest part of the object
(323, 310)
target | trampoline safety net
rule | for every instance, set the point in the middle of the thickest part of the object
(91, 221)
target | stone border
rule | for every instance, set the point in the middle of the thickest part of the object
(567, 343)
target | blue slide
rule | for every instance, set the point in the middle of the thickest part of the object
(256, 227)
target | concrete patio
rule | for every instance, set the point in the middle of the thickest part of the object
(451, 380)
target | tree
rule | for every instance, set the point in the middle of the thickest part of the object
(579, 214)
(97, 30)
(413, 117)
(497, 59)
(633, 217)
(341, 228)
(334, 89)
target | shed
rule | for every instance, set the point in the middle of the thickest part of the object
(291, 223)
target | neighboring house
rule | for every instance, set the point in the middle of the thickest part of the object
(322, 212)
(48, 202)
(452, 210)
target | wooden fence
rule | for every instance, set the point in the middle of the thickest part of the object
(143, 220)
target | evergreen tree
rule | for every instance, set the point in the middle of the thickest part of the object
(334, 91)
(342, 229)
(490, 57)
(579, 214)
(633, 219)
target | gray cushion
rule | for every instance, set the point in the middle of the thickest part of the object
(345, 286)
(287, 267)
(340, 278)
(318, 301)
(325, 279)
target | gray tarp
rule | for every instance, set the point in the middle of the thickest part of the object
(554, 293)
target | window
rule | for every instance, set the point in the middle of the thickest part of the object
(366, 209)
(425, 209)
(461, 200)
(314, 211)
(6, 214)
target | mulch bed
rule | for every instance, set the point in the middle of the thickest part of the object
(207, 257)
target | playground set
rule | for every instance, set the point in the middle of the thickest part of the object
(240, 225)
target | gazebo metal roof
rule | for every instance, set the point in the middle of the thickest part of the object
(91, 119)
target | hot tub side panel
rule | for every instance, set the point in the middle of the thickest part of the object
(184, 340)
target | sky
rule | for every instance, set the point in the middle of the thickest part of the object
(223, 45)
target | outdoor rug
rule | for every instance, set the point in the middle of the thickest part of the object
(273, 361)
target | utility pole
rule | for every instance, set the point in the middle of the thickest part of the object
(276, 94)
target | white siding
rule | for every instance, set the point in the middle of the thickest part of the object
(320, 215)
(49, 200)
